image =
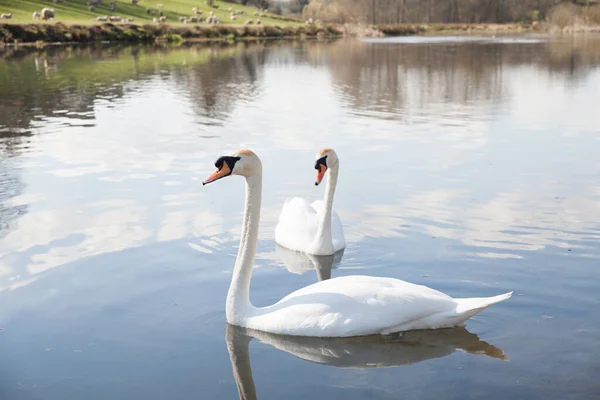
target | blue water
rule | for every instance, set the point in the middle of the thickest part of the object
(467, 166)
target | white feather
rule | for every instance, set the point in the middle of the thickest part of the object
(364, 305)
(298, 224)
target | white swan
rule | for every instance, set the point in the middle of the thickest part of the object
(338, 307)
(313, 228)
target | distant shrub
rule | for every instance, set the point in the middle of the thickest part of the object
(563, 15)
(592, 14)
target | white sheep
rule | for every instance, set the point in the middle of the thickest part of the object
(162, 19)
(258, 22)
(104, 18)
(36, 15)
(248, 22)
(47, 13)
(6, 16)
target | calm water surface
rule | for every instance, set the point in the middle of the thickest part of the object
(468, 165)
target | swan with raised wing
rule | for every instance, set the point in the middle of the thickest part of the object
(339, 307)
(313, 228)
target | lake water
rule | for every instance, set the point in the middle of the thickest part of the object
(468, 164)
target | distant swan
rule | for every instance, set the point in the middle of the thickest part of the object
(339, 307)
(313, 228)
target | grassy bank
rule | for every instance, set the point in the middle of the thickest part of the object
(148, 33)
(78, 12)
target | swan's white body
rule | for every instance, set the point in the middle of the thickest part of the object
(362, 305)
(338, 307)
(313, 228)
(299, 224)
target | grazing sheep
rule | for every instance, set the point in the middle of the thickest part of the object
(162, 19)
(195, 10)
(248, 22)
(128, 19)
(47, 13)
(230, 9)
(104, 18)
(159, 5)
(199, 12)
(255, 13)
(36, 15)
(6, 16)
(154, 20)
(211, 13)
(114, 18)
(258, 22)
(262, 15)
(212, 20)
(181, 19)
(232, 16)
(194, 19)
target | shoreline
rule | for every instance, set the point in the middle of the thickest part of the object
(36, 34)
(61, 33)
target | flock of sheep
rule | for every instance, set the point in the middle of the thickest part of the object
(48, 14)
(45, 14)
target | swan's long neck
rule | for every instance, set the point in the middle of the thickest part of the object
(323, 240)
(238, 297)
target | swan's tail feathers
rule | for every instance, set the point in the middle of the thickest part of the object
(471, 306)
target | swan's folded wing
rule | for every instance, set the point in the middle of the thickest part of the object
(297, 224)
(354, 305)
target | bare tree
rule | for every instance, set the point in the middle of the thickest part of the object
(429, 10)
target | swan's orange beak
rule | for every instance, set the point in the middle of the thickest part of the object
(218, 174)
(320, 173)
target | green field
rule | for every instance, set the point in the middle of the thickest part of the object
(77, 12)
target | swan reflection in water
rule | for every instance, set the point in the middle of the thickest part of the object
(374, 351)
(299, 263)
